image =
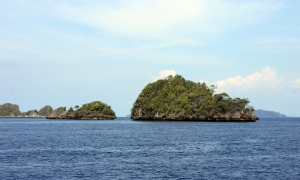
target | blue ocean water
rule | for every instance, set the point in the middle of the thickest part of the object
(125, 149)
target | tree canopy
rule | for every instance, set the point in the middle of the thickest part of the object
(97, 106)
(174, 95)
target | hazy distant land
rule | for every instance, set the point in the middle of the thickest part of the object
(269, 114)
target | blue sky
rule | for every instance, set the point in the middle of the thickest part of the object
(67, 53)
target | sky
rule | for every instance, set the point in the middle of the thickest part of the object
(67, 53)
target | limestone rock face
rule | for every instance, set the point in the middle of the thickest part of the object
(175, 98)
(91, 111)
(246, 116)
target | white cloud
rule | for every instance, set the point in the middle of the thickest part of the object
(265, 78)
(163, 74)
(296, 83)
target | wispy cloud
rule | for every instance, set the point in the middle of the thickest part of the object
(133, 18)
(296, 83)
(166, 19)
(278, 44)
(125, 28)
(276, 40)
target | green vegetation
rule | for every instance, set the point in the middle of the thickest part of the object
(45, 111)
(9, 110)
(61, 109)
(97, 106)
(12, 110)
(95, 110)
(175, 95)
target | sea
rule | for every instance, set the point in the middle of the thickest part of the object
(36, 148)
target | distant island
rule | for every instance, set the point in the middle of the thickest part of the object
(175, 98)
(96, 110)
(12, 110)
(263, 114)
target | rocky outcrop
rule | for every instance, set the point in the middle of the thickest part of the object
(175, 98)
(91, 111)
(9, 110)
(244, 115)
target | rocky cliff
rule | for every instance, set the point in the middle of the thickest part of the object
(175, 98)
(95, 110)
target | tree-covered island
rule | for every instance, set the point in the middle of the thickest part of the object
(96, 110)
(175, 98)
(12, 111)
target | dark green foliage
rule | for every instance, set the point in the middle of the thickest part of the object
(90, 108)
(45, 111)
(61, 109)
(175, 95)
(9, 109)
(95, 110)
(97, 106)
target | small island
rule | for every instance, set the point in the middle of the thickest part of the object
(9, 110)
(175, 98)
(96, 110)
